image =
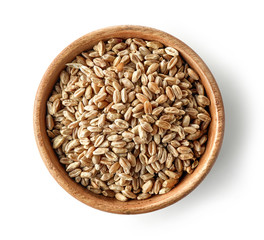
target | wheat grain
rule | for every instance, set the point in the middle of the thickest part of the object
(127, 118)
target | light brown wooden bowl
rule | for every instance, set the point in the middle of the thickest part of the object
(189, 182)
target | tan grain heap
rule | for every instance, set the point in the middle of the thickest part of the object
(128, 118)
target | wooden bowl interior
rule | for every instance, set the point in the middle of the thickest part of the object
(189, 182)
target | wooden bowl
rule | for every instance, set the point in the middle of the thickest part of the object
(189, 182)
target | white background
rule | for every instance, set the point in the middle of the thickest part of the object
(228, 204)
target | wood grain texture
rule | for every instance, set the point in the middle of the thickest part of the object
(188, 183)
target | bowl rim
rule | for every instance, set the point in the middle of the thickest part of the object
(134, 206)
